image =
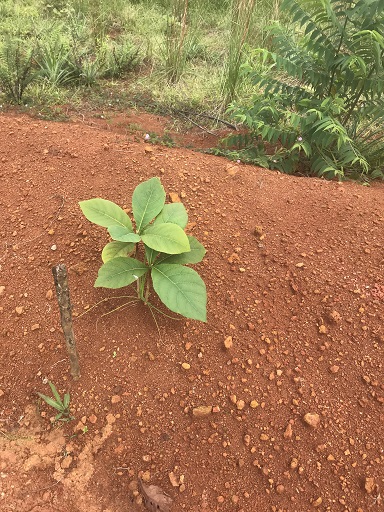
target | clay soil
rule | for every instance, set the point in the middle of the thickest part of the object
(288, 367)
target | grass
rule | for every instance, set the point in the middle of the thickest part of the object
(172, 53)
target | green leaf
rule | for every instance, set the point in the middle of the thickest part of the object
(174, 213)
(55, 393)
(167, 237)
(50, 401)
(181, 289)
(147, 201)
(150, 254)
(116, 249)
(66, 400)
(195, 255)
(105, 213)
(123, 234)
(120, 272)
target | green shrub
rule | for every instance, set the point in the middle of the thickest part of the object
(165, 249)
(320, 102)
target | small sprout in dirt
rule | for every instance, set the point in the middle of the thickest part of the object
(60, 405)
(85, 429)
(165, 249)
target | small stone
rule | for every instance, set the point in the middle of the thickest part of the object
(322, 329)
(240, 404)
(92, 419)
(174, 197)
(300, 264)
(280, 489)
(254, 404)
(294, 463)
(264, 437)
(1, 392)
(35, 327)
(288, 432)
(146, 476)
(334, 368)
(49, 295)
(53, 247)
(258, 231)
(317, 502)
(2, 290)
(231, 169)
(186, 366)
(312, 419)
(202, 411)
(19, 310)
(220, 499)
(173, 479)
(148, 149)
(334, 316)
(228, 342)
(369, 485)
(116, 399)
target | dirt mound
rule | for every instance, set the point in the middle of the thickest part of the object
(281, 408)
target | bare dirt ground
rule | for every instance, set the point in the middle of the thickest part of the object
(293, 417)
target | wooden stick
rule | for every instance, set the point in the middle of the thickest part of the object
(60, 277)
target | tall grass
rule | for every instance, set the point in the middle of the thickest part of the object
(180, 47)
(241, 18)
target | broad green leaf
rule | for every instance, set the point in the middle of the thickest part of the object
(195, 255)
(181, 289)
(120, 272)
(50, 401)
(116, 249)
(123, 234)
(167, 237)
(105, 213)
(147, 201)
(175, 213)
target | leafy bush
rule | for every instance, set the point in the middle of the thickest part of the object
(166, 249)
(321, 103)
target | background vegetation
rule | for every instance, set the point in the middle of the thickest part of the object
(305, 76)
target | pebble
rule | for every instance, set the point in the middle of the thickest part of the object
(228, 342)
(369, 485)
(280, 489)
(19, 310)
(317, 502)
(2, 290)
(322, 329)
(334, 368)
(254, 404)
(53, 247)
(240, 404)
(35, 327)
(186, 366)
(92, 419)
(115, 399)
(312, 419)
(202, 411)
(49, 295)
(174, 197)
(288, 432)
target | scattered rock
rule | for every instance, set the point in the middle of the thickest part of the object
(92, 419)
(186, 366)
(240, 404)
(312, 419)
(264, 437)
(258, 231)
(19, 310)
(35, 327)
(228, 342)
(288, 432)
(174, 197)
(322, 329)
(280, 489)
(317, 502)
(369, 485)
(231, 169)
(253, 404)
(66, 462)
(334, 368)
(116, 399)
(53, 247)
(334, 316)
(2, 290)
(49, 295)
(202, 411)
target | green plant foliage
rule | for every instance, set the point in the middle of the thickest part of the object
(321, 90)
(160, 228)
(61, 405)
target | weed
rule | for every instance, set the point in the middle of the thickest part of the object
(166, 249)
(57, 403)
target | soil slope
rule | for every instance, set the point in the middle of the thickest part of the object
(289, 365)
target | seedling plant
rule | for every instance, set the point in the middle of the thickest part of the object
(61, 405)
(158, 236)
